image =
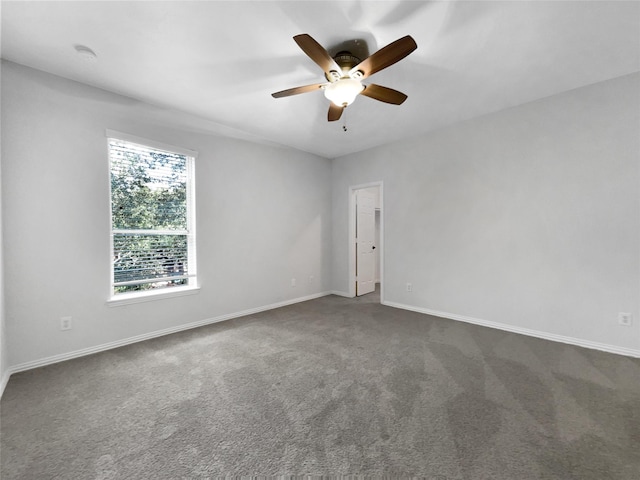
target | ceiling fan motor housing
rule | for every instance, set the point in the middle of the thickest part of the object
(346, 61)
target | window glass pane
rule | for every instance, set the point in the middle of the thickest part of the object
(156, 260)
(148, 188)
(152, 224)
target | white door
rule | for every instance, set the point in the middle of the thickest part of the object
(365, 237)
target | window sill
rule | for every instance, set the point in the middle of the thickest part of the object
(129, 298)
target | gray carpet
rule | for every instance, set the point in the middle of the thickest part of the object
(332, 386)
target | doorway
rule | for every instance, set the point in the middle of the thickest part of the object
(366, 236)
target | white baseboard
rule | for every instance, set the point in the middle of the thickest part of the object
(3, 381)
(629, 352)
(148, 336)
(159, 333)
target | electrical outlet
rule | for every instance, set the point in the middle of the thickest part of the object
(65, 323)
(409, 287)
(624, 319)
(293, 282)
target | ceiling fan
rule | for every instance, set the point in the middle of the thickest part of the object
(345, 72)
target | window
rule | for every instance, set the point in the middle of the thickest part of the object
(152, 217)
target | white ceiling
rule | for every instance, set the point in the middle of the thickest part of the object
(221, 60)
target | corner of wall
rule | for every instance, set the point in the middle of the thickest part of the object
(4, 371)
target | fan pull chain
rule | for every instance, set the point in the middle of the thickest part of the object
(344, 119)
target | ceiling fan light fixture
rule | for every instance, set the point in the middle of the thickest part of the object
(343, 92)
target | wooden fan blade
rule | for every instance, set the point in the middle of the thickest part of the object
(298, 90)
(335, 112)
(384, 94)
(317, 53)
(392, 53)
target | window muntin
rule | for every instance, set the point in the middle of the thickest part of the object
(152, 219)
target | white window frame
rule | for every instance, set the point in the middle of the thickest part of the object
(148, 295)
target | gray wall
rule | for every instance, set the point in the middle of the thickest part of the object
(263, 217)
(527, 218)
(4, 364)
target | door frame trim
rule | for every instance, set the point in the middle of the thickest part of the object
(352, 236)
